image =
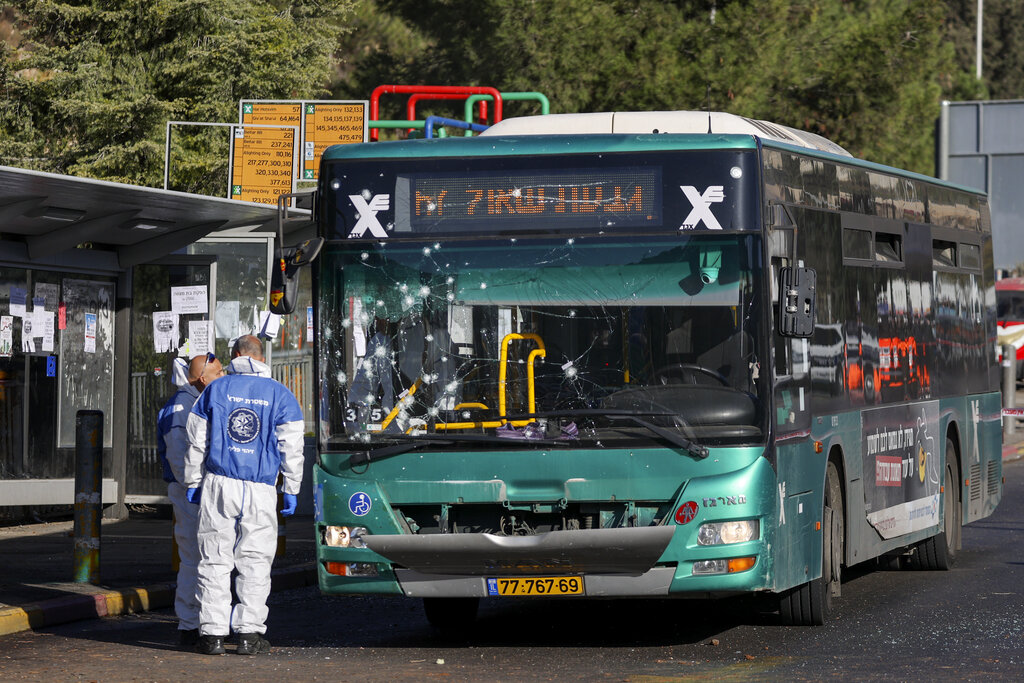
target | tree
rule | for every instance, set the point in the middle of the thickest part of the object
(1002, 74)
(867, 73)
(91, 89)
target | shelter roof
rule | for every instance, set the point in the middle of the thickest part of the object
(51, 214)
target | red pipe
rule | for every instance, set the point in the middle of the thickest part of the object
(433, 89)
(410, 106)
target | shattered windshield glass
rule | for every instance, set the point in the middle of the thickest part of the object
(590, 341)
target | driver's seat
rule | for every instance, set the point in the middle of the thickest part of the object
(729, 359)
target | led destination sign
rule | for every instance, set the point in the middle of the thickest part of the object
(548, 199)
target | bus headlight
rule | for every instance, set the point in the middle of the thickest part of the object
(345, 537)
(736, 564)
(733, 531)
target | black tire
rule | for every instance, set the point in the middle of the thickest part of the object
(939, 552)
(451, 614)
(810, 604)
(889, 563)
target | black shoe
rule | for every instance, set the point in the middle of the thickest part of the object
(252, 644)
(210, 645)
(188, 637)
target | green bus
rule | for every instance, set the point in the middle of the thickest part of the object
(645, 354)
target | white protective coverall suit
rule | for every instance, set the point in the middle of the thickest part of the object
(172, 446)
(244, 430)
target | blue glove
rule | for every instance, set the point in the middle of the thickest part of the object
(290, 501)
(193, 495)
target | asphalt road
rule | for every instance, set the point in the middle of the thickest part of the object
(965, 624)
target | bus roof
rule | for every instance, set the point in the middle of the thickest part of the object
(610, 132)
(1010, 284)
(529, 145)
(661, 122)
(697, 123)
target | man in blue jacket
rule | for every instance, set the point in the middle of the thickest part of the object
(172, 445)
(243, 431)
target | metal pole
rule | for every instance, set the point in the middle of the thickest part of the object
(167, 155)
(88, 499)
(977, 41)
(1009, 388)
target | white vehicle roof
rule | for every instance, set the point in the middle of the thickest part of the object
(646, 122)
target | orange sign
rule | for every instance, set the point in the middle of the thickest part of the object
(262, 163)
(322, 123)
(329, 123)
(271, 113)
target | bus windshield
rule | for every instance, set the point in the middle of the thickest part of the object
(585, 341)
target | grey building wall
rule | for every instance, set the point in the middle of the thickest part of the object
(981, 145)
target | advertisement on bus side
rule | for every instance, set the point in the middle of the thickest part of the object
(902, 467)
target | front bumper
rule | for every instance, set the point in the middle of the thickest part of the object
(596, 551)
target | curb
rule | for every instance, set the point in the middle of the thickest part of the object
(1013, 451)
(115, 602)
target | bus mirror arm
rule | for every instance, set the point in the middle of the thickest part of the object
(284, 285)
(796, 309)
(303, 254)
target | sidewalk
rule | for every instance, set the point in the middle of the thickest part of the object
(1013, 447)
(36, 587)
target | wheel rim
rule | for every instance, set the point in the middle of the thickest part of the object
(836, 539)
(949, 513)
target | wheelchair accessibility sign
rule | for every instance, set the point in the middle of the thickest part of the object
(359, 504)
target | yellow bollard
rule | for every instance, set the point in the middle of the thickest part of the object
(88, 495)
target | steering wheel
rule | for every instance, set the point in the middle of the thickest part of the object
(666, 374)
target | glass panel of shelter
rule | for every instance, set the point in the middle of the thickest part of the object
(58, 360)
(151, 380)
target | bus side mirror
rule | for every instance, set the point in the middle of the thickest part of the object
(284, 279)
(796, 312)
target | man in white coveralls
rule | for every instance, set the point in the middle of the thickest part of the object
(244, 429)
(172, 447)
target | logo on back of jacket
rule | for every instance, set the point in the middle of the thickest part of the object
(243, 425)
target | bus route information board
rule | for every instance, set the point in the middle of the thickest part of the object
(262, 163)
(271, 113)
(321, 123)
(329, 123)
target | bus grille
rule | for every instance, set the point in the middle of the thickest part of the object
(993, 479)
(975, 477)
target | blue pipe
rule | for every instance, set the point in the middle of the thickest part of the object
(431, 121)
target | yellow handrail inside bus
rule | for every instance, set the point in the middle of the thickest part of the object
(463, 406)
(502, 382)
(402, 400)
(468, 425)
(503, 373)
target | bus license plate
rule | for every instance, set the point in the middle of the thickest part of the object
(536, 585)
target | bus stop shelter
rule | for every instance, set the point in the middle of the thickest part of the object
(84, 265)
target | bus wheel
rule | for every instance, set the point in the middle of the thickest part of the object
(939, 552)
(451, 614)
(811, 603)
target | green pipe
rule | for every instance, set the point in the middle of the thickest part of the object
(398, 124)
(545, 106)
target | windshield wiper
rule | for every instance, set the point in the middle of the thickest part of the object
(410, 442)
(691, 447)
(364, 457)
